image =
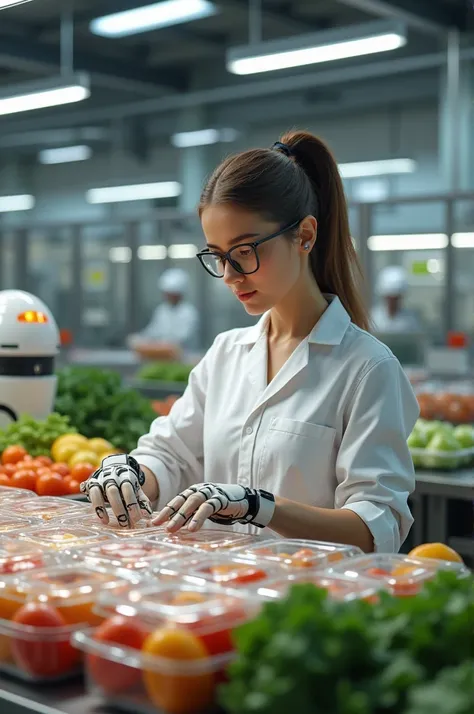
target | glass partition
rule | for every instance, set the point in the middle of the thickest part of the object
(463, 245)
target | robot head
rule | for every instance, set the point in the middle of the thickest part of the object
(27, 327)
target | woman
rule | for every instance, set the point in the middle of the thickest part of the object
(299, 423)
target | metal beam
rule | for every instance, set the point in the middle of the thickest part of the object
(38, 57)
(424, 15)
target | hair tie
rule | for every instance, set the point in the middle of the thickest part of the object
(284, 148)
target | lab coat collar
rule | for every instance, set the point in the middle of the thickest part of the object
(329, 330)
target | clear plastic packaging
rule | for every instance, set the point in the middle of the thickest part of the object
(185, 646)
(236, 571)
(12, 523)
(137, 555)
(339, 586)
(10, 493)
(18, 557)
(297, 553)
(47, 508)
(401, 575)
(141, 529)
(63, 538)
(211, 539)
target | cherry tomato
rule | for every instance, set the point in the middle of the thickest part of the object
(81, 472)
(13, 454)
(50, 484)
(377, 573)
(47, 655)
(237, 573)
(45, 460)
(9, 469)
(61, 469)
(5, 480)
(114, 677)
(43, 471)
(25, 478)
(74, 486)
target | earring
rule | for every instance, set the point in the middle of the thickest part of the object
(306, 246)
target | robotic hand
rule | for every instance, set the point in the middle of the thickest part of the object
(222, 503)
(118, 482)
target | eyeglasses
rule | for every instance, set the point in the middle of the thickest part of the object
(243, 257)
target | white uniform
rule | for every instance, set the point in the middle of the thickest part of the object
(330, 429)
(404, 322)
(178, 324)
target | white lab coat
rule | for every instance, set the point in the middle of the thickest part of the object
(404, 322)
(177, 324)
(330, 429)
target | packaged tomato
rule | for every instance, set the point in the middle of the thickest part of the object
(164, 647)
(63, 538)
(18, 557)
(10, 493)
(401, 575)
(89, 519)
(297, 553)
(13, 523)
(209, 539)
(47, 508)
(234, 572)
(138, 554)
(339, 587)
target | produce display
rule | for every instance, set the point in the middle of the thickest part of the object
(453, 403)
(98, 405)
(163, 406)
(165, 372)
(36, 437)
(440, 445)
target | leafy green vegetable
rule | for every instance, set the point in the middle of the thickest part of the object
(36, 437)
(98, 405)
(450, 692)
(314, 655)
(165, 372)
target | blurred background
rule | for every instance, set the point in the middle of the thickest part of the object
(149, 96)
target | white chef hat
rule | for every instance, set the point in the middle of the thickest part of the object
(392, 281)
(173, 281)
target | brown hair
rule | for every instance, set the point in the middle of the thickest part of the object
(284, 189)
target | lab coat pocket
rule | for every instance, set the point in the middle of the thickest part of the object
(298, 461)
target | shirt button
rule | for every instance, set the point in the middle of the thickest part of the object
(249, 430)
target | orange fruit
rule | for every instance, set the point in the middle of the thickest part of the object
(179, 691)
(439, 551)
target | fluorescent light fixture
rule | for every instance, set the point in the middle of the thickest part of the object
(203, 137)
(39, 95)
(65, 154)
(408, 241)
(151, 17)
(136, 192)
(383, 167)
(120, 254)
(10, 3)
(22, 202)
(152, 252)
(326, 46)
(462, 240)
(182, 251)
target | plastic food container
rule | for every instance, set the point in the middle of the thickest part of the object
(181, 655)
(299, 554)
(141, 529)
(47, 508)
(138, 555)
(62, 538)
(401, 575)
(237, 571)
(18, 557)
(339, 587)
(12, 523)
(10, 493)
(212, 540)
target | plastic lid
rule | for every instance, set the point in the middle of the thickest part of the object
(17, 557)
(73, 584)
(339, 586)
(237, 571)
(207, 539)
(10, 493)
(402, 575)
(90, 520)
(206, 607)
(46, 507)
(135, 555)
(63, 538)
(13, 523)
(298, 553)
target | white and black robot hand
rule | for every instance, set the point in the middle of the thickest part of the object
(222, 503)
(118, 482)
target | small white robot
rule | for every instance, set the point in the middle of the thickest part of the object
(29, 343)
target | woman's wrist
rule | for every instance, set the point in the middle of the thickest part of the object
(150, 487)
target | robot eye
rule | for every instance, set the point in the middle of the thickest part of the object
(32, 316)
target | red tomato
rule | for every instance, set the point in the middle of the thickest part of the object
(50, 484)
(45, 460)
(25, 478)
(74, 486)
(13, 454)
(43, 470)
(44, 655)
(377, 573)
(114, 677)
(61, 469)
(237, 573)
(81, 472)
(9, 469)
(5, 480)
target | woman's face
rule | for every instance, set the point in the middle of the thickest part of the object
(281, 264)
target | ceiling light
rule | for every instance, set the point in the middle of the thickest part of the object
(120, 254)
(182, 251)
(10, 3)
(39, 95)
(136, 192)
(462, 240)
(152, 252)
(22, 202)
(413, 241)
(152, 17)
(360, 169)
(326, 46)
(65, 155)
(203, 137)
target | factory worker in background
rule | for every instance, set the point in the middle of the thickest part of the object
(389, 315)
(175, 321)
